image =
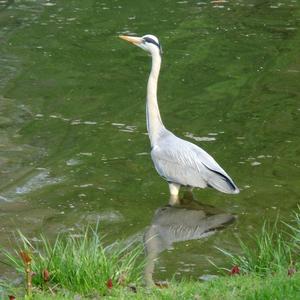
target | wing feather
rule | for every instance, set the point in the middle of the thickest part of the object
(182, 162)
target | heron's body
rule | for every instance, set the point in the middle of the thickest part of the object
(180, 162)
(185, 164)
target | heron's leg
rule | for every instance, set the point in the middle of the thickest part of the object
(174, 192)
(174, 188)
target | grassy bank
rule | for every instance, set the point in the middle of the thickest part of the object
(79, 267)
(277, 286)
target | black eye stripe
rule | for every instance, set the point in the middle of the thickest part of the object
(149, 40)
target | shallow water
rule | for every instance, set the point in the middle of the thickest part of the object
(73, 143)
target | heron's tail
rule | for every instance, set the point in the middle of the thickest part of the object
(221, 182)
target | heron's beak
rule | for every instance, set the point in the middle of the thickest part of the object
(132, 39)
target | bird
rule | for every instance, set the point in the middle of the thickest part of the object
(180, 162)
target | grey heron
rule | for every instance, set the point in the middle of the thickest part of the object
(178, 161)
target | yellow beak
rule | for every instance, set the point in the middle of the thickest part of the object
(131, 39)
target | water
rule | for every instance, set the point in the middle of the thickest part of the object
(73, 143)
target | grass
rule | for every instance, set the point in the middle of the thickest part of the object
(248, 287)
(295, 231)
(81, 268)
(80, 263)
(274, 249)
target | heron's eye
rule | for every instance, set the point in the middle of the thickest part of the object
(144, 42)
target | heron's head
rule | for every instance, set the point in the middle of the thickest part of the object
(148, 42)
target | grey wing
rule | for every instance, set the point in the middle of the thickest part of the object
(182, 162)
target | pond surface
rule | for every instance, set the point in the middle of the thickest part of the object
(73, 142)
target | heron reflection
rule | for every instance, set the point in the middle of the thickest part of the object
(189, 220)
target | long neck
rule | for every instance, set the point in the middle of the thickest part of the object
(154, 123)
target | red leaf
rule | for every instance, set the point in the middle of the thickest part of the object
(162, 284)
(11, 297)
(25, 257)
(46, 275)
(235, 270)
(291, 271)
(109, 283)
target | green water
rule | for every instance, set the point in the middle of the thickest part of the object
(73, 143)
